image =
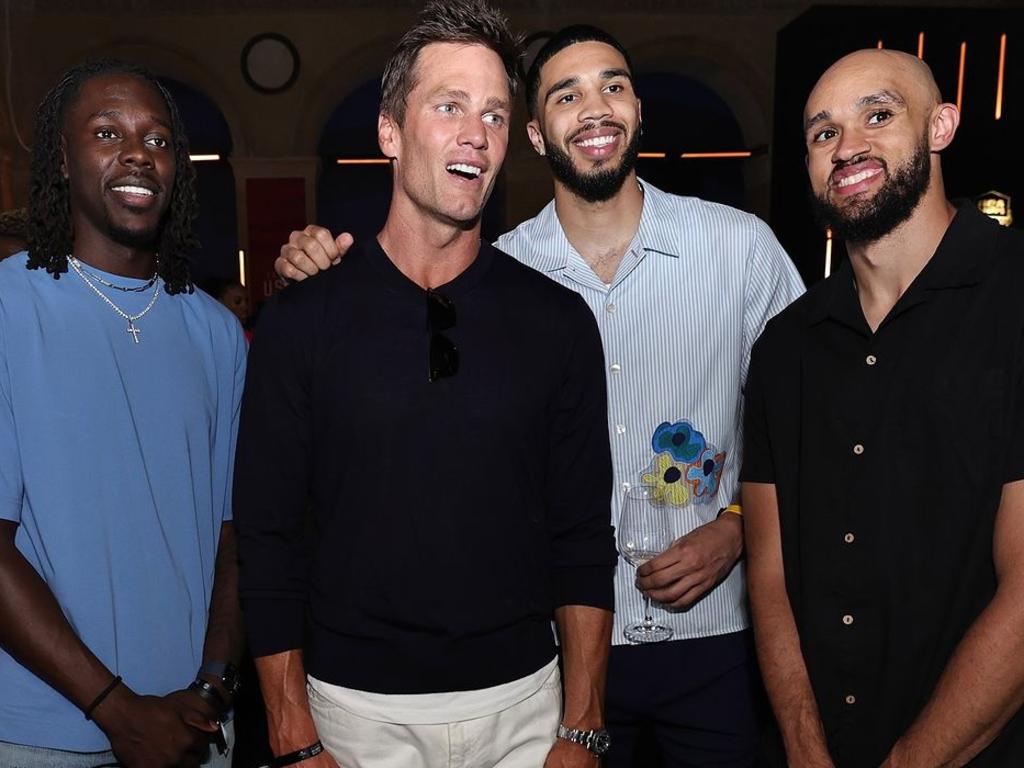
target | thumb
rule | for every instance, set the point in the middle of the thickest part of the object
(344, 241)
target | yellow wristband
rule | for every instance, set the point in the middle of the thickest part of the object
(736, 509)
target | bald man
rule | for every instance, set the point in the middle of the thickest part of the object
(884, 458)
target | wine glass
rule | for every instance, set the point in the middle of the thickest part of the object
(644, 532)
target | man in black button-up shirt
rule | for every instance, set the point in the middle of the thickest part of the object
(885, 452)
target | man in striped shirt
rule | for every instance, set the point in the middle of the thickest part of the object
(681, 288)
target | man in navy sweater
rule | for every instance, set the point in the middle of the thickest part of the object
(442, 410)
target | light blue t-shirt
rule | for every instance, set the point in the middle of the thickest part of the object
(116, 460)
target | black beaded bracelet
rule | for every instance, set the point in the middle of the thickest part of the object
(99, 699)
(291, 758)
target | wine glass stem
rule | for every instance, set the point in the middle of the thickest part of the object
(648, 619)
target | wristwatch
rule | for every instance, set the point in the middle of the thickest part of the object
(225, 672)
(596, 741)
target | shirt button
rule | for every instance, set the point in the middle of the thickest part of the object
(870, 359)
(610, 308)
(848, 538)
(620, 429)
(858, 449)
(847, 619)
(616, 368)
(851, 699)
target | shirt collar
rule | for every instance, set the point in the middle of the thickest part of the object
(651, 236)
(963, 258)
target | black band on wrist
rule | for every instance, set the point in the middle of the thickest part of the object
(99, 699)
(291, 758)
(209, 693)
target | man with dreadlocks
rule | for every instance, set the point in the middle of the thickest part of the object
(119, 393)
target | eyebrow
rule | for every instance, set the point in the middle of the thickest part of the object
(459, 95)
(881, 97)
(115, 113)
(569, 82)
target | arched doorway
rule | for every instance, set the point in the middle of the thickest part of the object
(683, 115)
(217, 224)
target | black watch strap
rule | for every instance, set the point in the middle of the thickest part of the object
(208, 692)
(224, 671)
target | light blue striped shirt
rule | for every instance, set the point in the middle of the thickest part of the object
(691, 295)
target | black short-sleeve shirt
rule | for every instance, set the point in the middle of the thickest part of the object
(889, 451)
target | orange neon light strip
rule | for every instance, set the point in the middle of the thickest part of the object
(920, 45)
(652, 155)
(999, 83)
(203, 158)
(880, 46)
(363, 161)
(960, 79)
(709, 155)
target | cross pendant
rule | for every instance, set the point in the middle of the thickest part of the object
(133, 331)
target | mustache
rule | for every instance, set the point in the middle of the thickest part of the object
(594, 126)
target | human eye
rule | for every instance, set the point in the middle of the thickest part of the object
(158, 141)
(615, 88)
(879, 116)
(105, 133)
(494, 119)
(566, 98)
(447, 109)
(823, 135)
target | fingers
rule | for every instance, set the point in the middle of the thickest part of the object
(684, 592)
(310, 251)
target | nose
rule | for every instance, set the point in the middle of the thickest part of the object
(595, 107)
(136, 152)
(473, 132)
(851, 144)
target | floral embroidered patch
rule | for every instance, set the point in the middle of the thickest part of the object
(685, 468)
(680, 439)
(668, 477)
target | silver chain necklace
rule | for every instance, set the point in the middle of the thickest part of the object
(123, 288)
(76, 265)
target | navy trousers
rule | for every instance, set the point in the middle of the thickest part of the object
(684, 704)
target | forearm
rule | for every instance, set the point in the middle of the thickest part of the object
(225, 635)
(585, 637)
(786, 679)
(979, 691)
(35, 631)
(775, 632)
(283, 683)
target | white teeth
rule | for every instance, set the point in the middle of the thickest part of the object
(857, 177)
(132, 190)
(597, 141)
(472, 170)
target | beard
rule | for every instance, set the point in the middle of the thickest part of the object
(131, 238)
(865, 221)
(600, 184)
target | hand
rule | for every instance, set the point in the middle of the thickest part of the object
(565, 754)
(156, 732)
(310, 251)
(695, 563)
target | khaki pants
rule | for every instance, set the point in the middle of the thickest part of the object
(517, 737)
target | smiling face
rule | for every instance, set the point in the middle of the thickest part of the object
(118, 160)
(449, 148)
(588, 119)
(870, 133)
